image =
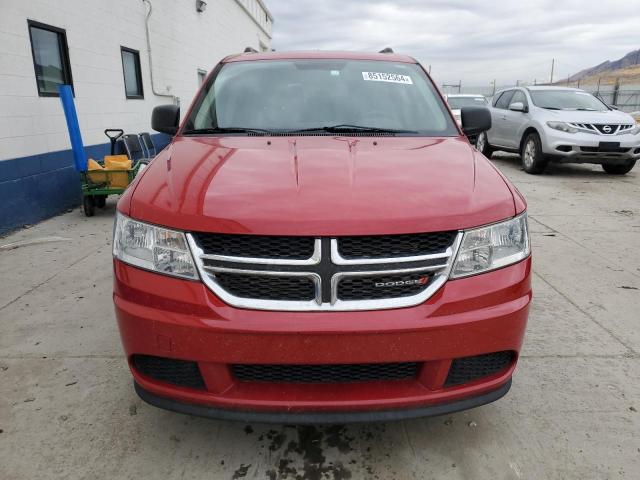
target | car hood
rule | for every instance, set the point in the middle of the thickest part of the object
(573, 116)
(320, 186)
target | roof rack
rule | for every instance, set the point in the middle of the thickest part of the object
(386, 50)
(250, 50)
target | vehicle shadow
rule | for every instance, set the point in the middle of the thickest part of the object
(560, 170)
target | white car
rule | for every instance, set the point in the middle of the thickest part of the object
(561, 124)
(458, 100)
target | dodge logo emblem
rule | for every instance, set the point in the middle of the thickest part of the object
(606, 129)
(405, 283)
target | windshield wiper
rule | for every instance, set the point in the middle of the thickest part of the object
(345, 127)
(552, 108)
(342, 128)
(214, 130)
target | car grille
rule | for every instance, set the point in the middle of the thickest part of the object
(388, 246)
(343, 273)
(603, 128)
(267, 287)
(178, 372)
(467, 369)
(256, 246)
(344, 373)
(387, 286)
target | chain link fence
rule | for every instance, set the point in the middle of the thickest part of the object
(623, 96)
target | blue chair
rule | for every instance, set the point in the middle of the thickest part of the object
(134, 149)
(147, 144)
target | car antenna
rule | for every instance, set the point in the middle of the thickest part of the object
(386, 50)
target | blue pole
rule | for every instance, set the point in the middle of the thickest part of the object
(79, 156)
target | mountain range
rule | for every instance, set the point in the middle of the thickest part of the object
(610, 68)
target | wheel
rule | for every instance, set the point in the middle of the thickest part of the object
(482, 144)
(619, 169)
(88, 205)
(100, 201)
(533, 160)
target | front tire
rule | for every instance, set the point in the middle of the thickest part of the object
(620, 169)
(533, 160)
(88, 205)
(482, 145)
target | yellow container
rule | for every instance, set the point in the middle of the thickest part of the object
(117, 162)
(96, 172)
(118, 178)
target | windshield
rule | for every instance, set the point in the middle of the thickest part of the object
(457, 103)
(291, 95)
(566, 100)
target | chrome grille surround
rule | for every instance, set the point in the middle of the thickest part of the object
(326, 268)
(313, 260)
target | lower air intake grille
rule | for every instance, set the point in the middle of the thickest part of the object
(267, 287)
(325, 373)
(612, 149)
(387, 286)
(467, 369)
(389, 246)
(177, 372)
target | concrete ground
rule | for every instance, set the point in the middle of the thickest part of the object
(68, 409)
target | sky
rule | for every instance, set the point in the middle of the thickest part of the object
(467, 40)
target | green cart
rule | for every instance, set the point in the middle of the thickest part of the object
(97, 185)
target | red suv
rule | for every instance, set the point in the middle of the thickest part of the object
(321, 243)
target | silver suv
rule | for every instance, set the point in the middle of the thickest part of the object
(566, 125)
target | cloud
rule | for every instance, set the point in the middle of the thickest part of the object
(469, 40)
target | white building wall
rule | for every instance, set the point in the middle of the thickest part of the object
(260, 13)
(182, 41)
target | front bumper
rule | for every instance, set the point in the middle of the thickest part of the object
(316, 418)
(167, 317)
(583, 147)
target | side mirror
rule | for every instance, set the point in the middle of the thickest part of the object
(166, 119)
(518, 107)
(475, 120)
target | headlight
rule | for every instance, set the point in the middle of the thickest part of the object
(495, 246)
(562, 126)
(152, 248)
(634, 131)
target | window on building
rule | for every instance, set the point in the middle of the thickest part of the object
(202, 75)
(132, 73)
(50, 58)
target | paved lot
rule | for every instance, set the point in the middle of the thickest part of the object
(68, 410)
